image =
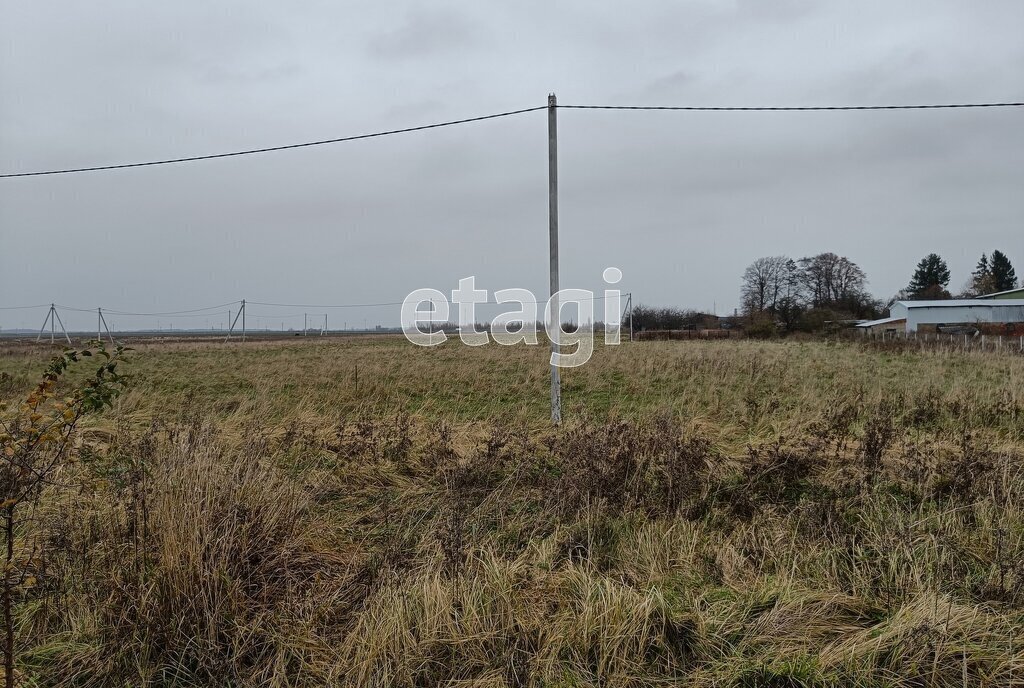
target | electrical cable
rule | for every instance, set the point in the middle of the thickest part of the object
(790, 108)
(436, 125)
(207, 311)
(161, 314)
(270, 149)
(192, 310)
(393, 303)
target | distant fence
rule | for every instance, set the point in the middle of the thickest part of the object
(981, 342)
(994, 343)
(655, 335)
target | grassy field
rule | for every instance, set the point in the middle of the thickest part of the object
(736, 391)
(359, 511)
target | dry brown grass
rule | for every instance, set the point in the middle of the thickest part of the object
(735, 392)
(727, 513)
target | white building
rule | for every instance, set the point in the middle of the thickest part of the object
(911, 316)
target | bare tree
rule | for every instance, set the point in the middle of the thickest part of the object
(769, 284)
(831, 281)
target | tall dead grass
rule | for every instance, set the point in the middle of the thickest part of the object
(202, 568)
(625, 554)
(734, 392)
(798, 522)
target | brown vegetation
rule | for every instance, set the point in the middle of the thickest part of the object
(775, 530)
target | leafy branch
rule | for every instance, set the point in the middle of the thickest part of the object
(36, 437)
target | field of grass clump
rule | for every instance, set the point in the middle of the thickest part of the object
(364, 512)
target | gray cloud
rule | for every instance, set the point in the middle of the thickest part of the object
(673, 84)
(682, 202)
(424, 32)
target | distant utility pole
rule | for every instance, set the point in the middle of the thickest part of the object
(53, 318)
(631, 316)
(100, 320)
(239, 314)
(628, 310)
(556, 381)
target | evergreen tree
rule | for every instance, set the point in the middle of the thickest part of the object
(1004, 277)
(930, 279)
(982, 267)
(981, 279)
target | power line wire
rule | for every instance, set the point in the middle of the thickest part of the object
(269, 149)
(210, 311)
(317, 305)
(164, 313)
(692, 108)
(192, 310)
(793, 108)
(210, 314)
(394, 303)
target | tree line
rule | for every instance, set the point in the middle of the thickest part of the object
(669, 318)
(803, 294)
(931, 278)
(778, 292)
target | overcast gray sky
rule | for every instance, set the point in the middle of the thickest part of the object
(681, 202)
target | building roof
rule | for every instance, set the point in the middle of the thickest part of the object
(962, 303)
(993, 295)
(883, 321)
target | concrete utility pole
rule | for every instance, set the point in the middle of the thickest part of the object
(53, 319)
(239, 314)
(629, 310)
(102, 321)
(556, 381)
(631, 316)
